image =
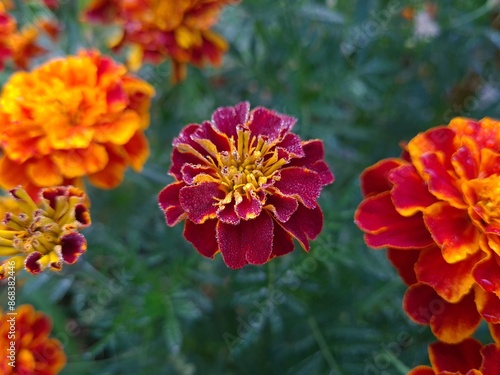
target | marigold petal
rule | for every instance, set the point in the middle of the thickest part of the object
(202, 236)
(168, 200)
(292, 144)
(248, 242)
(281, 206)
(438, 140)
(491, 359)
(31, 263)
(300, 183)
(422, 370)
(439, 180)
(198, 173)
(119, 131)
(404, 262)
(207, 131)
(282, 242)
(227, 214)
(112, 174)
(450, 281)
(488, 305)
(452, 230)
(375, 179)
(80, 162)
(384, 226)
(269, 124)
(226, 119)
(137, 149)
(487, 273)
(459, 358)
(450, 322)
(409, 193)
(12, 174)
(305, 224)
(249, 207)
(73, 245)
(44, 172)
(199, 201)
(464, 163)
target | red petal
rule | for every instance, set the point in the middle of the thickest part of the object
(422, 370)
(453, 231)
(281, 206)
(248, 208)
(179, 159)
(31, 263)
(384, 226)
(268, 123)
(227, 214)
(487, 273)
(439, 180)
(495, 332)
(190, 171)
(491, 359)
(207, 131)
(300, 183)
(305, 224)
(199, 201)
(313, 159)
(438, 140)
(458, 358)
(282, 242)
(202, 236)
(464, 163)
(450, 322)
(248, 242)
(404, 261)
(450, 281)
(225, 119)
(169, 202)
(488, 305)
(410, 193)
(72, 246)
(375, 179)
(292, 145)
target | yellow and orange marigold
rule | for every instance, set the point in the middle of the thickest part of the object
(73, 117)
(466, 358)
(245, 185)
(437, 210)
(45, 235)
(26, 345)
(157, 30)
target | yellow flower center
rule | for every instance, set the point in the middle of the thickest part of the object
(249, 165)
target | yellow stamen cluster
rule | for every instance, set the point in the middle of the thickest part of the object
(249, 165)
(42, 228)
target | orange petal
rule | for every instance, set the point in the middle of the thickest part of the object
(456, 358)
(119, 131)
(81, 162)
(43, 172)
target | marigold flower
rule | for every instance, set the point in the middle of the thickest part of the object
(28, 347)
(157, 30)
(245, 185)
(466, 358)
(437, 209)
(46, 235)
(73, 117)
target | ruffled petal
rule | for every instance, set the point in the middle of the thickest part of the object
(226, 119)
(248, 242)
(459, 358)
(452, 230)
(281, 206)
(305, 224)
(375, 179)
(269, 124)
(404, 262)
(168, 200)
(488, 305)
(384, 226)
(300, 183)
(282, 242)
(202, 236)
(491, 359)
(248, 207)
(199, 201)
(487, 273)
(422, 370)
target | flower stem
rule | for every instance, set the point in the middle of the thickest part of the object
(323, 345)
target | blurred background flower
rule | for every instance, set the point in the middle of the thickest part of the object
(34, 352)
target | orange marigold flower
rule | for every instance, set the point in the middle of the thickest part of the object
(42, 236)
(73, 117)
(26, 345)
(245, 185)
(466, 358)
(156, 30)
(437, 209)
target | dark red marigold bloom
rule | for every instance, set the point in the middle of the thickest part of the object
(245, 185)
(466, 358)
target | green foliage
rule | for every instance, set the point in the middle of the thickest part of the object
(141, 300)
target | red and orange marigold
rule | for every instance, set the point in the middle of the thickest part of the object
(245, 185)
(466, 358)
(158, 30)
(26, 346)
(437, 210)
(73, 117)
